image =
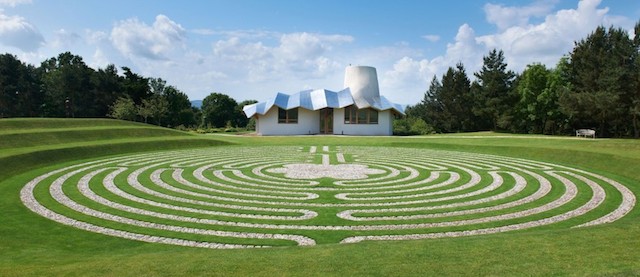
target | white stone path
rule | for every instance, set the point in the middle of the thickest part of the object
(374, 189)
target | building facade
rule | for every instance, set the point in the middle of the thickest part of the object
(359, 109)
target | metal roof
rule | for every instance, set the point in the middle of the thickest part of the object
(320, 99)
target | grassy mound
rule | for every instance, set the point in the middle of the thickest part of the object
(27, 143)
(34, 245)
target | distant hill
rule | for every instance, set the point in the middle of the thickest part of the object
(196, 103)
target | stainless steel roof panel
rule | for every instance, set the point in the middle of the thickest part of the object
(281, 100)
(319, 99)
(306, 99)
(344, 98)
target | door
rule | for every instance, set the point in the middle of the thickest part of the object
(326, 121)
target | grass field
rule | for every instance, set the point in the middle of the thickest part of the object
(32, 245)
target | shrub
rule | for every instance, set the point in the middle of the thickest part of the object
(411, 126)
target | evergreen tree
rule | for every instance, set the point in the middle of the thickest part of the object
(20, 93)
(430, 107)
(454, 100)
(634, 107)
(107, 86)
(493, 94)
(604, 78)
(135, 86)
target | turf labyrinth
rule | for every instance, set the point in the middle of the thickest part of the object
(238, 197)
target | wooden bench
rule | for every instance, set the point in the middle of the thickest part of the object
(586, 133)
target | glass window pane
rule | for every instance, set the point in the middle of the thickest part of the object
(362, 116)
(373, 116)
(293, 116)
(354, 110)
(282, 115)
(347, 115)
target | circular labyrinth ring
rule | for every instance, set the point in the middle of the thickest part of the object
(239, 197)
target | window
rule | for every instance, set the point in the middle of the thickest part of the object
(287, 116)
(353, 115)
(373, 117)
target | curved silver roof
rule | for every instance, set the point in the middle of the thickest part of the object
(320, 99)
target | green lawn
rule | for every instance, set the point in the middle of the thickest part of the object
(32, 245)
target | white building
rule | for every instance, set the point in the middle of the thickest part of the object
(359, 109)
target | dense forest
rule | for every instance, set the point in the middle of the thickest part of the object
(596, 86)
(65, 86)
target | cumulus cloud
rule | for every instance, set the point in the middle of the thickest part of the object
(13, 3)
(505, 17)
(522, 42)
(302, 47)
(135, 38)
(17, 32)
(293, 54)
(410, 77)
(548, 41)
(233, 49)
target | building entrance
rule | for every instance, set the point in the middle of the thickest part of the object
(326, 121)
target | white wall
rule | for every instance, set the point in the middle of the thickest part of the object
(383, 128)
(308, 123)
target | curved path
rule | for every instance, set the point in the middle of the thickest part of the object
(239, 197)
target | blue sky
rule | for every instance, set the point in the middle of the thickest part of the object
(253, 49)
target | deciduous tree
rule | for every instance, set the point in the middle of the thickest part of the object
(218, 109)
(123, 108)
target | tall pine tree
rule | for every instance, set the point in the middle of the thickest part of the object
(493, 94)
(604, 77)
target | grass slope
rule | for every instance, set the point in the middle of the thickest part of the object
(31, 245)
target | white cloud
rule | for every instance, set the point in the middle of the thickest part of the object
(548, 41)
(305, 46)
(99, 59)
(96, 37)
(409, 78)
(522, 42)
(431, 38)
(233, 49)
(292, 55)
(505, 17)
(13, 3)
(466, 48)
(17, 32)
(64, 39)
(134, 38)
(307, 53)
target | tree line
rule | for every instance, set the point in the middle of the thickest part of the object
(64, 86)
(596, 86)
